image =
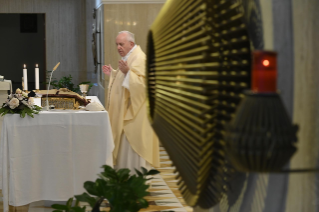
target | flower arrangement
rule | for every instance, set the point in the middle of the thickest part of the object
(20, 103)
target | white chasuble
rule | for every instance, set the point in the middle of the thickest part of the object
(134, 138)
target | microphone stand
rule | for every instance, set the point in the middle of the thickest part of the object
(47, 101)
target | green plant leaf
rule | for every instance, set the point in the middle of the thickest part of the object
(59, 207)
(143, 203)
(57, 211)
(77, 203)
(152, 172)
(109, 172)
(103, 189)
(37, 108)
(91, 188)
(103, 177)
(5, 112)
(63, 82)
(69, 202)
(123, 174)
(144, 170)
(22, 114)
(86, 198)
(29, 112)
(139, 173)
(78, 209)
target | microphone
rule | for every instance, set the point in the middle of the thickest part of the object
(47, 102)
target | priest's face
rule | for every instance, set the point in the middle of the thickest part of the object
(123, 45)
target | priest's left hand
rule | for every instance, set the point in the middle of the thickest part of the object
(123, 66)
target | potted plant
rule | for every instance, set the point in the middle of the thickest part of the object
(66, 82)
(123, 191)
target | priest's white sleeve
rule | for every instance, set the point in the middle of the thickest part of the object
(126, 81)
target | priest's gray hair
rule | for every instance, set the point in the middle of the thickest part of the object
(130, 36)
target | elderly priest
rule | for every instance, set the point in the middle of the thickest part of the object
(136, 144)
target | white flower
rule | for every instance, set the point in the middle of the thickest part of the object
(24, 94)
(14, 102)
(31, 101)
(10, 96)
(19, 96)
(18, 91)
(26, 104)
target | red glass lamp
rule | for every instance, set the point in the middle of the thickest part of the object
(264, 72)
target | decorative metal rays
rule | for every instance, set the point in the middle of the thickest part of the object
(198, 65)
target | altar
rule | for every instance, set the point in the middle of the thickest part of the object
(50, 156)
(5, 86)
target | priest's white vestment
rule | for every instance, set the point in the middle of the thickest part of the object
(136, 144)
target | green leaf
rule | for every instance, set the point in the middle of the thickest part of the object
(144, 170)
(143, 203)
(109, 172)
(78, 209)
(57, 211)
(86, 198)
(152, 172)
(5, 112)
(69, 202)
(22, 114)
(139, 173)
(102, 188)
(103, 177)
(63, 82)
(36, 107)
(123, 174)
(59, 207)
(91, 188)
(77, 203)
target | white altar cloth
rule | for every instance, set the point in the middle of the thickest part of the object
(5, 86)
(50, 156)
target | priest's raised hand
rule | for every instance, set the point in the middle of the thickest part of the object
(107, 69)
(123, 66)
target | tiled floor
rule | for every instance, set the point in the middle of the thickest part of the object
(164, 193)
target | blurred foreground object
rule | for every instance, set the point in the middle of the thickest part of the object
(199, 63)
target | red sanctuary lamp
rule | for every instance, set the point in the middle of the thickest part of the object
(264, 72)
(261, 137)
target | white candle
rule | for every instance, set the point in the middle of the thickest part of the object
(25, 78)
(37, 77)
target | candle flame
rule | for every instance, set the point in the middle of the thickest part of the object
(36, 65)
(56, 66)
(24, 66)
(266, 62)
